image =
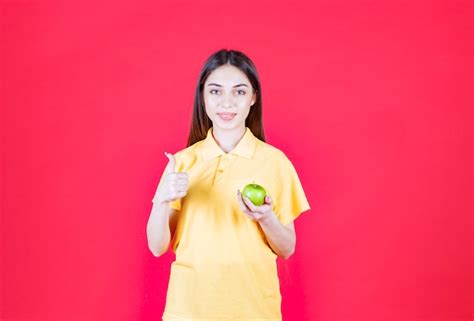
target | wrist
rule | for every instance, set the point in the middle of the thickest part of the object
(267, 218)
(159, 200)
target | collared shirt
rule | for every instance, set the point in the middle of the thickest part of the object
(225, 267)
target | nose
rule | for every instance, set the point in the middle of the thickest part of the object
(227, 101)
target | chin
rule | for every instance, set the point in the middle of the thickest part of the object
(230, 125)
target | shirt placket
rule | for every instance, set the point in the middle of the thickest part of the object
(222, 169)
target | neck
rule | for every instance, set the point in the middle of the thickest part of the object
(227, 139)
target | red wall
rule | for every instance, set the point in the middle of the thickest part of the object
(371, 100)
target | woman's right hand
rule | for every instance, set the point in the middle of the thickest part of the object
(174, 184)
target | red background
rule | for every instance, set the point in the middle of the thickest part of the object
(371, 100)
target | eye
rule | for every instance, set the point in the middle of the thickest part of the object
(212, 90)
(243, 91)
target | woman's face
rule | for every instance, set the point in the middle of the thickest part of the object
(228, 96)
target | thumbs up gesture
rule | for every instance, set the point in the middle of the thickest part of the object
(174, 184)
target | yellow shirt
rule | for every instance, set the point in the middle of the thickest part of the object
(225, 268)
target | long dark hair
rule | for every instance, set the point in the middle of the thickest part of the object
(200, 122)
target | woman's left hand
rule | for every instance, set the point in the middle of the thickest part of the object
(254, 212)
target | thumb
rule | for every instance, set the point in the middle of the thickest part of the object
(171, 166)
(268, 199)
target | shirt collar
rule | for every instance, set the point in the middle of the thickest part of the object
(244, 148)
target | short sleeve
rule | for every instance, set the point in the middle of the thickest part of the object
(176, 204)
(290, 199)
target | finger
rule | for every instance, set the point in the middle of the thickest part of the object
(182, 179)
(250, 216)
(247, 213)
(177, 182)
(249, 203)
(171, 166)
(173, 186)
(244, 208)
(181, 186)
(239, 199)
(180, 194)
(173, 182)
(181, 176)
(268, 200)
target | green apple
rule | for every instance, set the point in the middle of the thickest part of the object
(255, 193)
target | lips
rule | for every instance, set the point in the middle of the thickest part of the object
(226, 116)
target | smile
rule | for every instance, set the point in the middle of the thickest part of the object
(227, 116)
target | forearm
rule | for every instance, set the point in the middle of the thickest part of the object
(279, 237)
(157, 229)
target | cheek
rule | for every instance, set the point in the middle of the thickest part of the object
(210, 109)
(210, 102)
(244, 111)
(209, 112)
(244, 102)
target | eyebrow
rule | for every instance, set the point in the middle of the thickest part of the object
(214, 84)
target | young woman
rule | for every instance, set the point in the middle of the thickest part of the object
(226, 247)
